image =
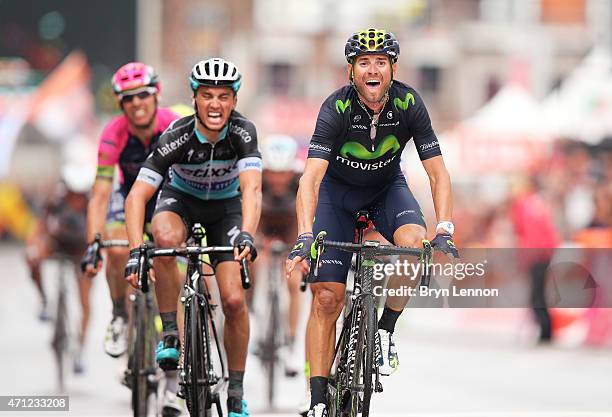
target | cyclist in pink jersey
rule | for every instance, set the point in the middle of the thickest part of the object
(125, 142)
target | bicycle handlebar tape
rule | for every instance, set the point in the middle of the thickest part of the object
(143, 282)
(244, 273)
(304, 282)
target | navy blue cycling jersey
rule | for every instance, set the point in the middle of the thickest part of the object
(345, 125)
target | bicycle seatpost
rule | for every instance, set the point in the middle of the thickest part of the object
(197, 231)
(361, 224)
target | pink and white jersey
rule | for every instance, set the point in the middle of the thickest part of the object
(118, 146)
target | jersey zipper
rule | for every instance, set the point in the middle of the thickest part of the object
(212, 153)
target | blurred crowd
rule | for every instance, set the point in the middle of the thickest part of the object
(575, 187)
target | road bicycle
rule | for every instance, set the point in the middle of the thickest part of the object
(273, 337)
(355, 374)
(201, 381)
(64, 340)
(142, 374)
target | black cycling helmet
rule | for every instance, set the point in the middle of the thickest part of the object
(372, 41)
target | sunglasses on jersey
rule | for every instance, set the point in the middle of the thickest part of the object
(130, 97)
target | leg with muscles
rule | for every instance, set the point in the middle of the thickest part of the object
(236, 332)
(37, 250)
(408, 235)
(321, 334)
(293, 364)
(399, 219)
(84, 285)
(168, 231)
(115, 342)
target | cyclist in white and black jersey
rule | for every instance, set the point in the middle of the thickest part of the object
(214, 169)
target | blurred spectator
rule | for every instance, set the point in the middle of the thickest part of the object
(61, 230)
(535, 230)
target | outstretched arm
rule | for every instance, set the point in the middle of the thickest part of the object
(441, 191)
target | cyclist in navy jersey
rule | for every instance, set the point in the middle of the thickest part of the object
(353, 164)
(214, 178)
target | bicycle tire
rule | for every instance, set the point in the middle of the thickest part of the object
(198, 391)
(60, 337)
(273, 345)
(369, 352)
(140, 389)
(356, 342)
(337, 378)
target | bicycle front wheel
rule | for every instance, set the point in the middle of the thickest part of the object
(197, 392)
(361, 359)
(137, 366)
(368, 353)
(60, 338)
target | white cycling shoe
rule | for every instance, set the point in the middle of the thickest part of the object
(304, 406)
(171, 406)
(116, 340)
(319, 410)
(388, 361)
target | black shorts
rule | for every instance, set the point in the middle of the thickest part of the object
(221, 219)
(390, 207)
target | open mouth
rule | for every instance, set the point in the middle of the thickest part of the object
(214, 117)
(140, 113)
(372, 83)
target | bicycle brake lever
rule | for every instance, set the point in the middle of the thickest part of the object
(244, 273)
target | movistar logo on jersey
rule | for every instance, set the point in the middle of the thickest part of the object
(342, 106)
(358, 151)
(403, 104)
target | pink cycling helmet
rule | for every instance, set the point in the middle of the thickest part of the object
(135, 76)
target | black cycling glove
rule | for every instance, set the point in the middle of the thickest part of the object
(131, 267)
(245, 239)
(443, 242)
(92, 256)
(302, 247)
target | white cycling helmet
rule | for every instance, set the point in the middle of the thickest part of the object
(79, 178)
(215, 72)
(279, 153)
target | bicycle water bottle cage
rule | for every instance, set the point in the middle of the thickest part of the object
(197, 232)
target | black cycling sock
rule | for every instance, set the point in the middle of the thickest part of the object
(388, 319)
(235, 389)
(119, 309)
(318, 390)
(169, 325)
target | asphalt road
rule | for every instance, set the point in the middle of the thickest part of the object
(453, 363)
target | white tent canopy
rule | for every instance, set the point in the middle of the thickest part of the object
(511, 111)
(582, 107)
(503, 136)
